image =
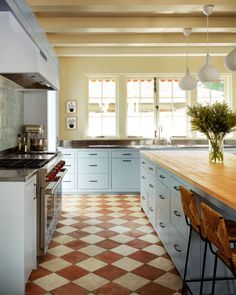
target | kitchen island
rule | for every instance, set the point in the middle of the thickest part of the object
(161, 174)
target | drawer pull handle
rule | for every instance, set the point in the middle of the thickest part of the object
(93, 181)
(93, 165)
(151, 185)
(143, 162)
(162, 197)
(176, 248)
(150, 168)
(177, 213)
(68, 165)
(127, 160)
(66, 154)
(150, 209)
(126, 154)
(162, 225)
(143, 177)
(162, 176)
(176, 188)
(66, 180)
(93, 154)
(143, 198)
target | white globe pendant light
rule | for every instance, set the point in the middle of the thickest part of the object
(230, 60)
(187, 82)
(208, 73)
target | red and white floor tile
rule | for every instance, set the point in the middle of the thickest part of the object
(104, 245)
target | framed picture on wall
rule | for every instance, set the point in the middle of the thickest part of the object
(71, 106)
(71, 123)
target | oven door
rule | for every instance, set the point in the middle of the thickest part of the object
(52, 208)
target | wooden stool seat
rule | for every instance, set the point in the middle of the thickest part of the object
(219, 233)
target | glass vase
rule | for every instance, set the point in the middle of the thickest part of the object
(216, 150)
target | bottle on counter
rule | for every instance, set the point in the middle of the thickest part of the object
(19, 143)
(24, 145)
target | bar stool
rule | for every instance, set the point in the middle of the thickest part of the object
(195, 223)
(217, 233)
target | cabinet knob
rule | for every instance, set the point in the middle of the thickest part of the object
(176, 248)
(151, 185)
(143, 198)
(150, 168)
(143, 177)
(162, 176)
(150, 209)
(162, 197)
(176, 188)
(143, 162)
(162, 225)
(177, 213)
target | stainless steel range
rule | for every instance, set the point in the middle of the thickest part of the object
(49, 200)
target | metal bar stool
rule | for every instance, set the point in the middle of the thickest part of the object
(220, 236)
(194, 222)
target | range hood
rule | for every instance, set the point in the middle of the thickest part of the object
(21, 60)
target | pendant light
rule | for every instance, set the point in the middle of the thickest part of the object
(187, 82)
(230, 60)
(208, 73)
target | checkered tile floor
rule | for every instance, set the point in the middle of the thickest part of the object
(104, 245)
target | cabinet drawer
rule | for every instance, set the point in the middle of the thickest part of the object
(177, 249)
(150, 168)
(70, 165)
(68, 154)
(174, 185)
(92, 154)
(125, 174)
(163, 197)
(125, 154)
(177, 215)
(93, 181)
(68, 182)
(93, 165)
(163, 177)
(163, 228)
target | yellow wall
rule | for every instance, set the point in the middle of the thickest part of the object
(73, 84)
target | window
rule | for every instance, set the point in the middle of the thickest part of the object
(210, 92)
(140, 107)
(172, 109)
(102, 107)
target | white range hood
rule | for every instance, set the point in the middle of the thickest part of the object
(20, 58)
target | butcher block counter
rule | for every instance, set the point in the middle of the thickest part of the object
(161, 174)
(217, 180)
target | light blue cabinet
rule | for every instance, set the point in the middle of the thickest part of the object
(101, 170)
(125, 171)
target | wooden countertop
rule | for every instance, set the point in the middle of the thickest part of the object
(217, 180)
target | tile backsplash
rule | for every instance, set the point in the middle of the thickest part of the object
(11, 113)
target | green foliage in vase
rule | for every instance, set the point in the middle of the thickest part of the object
(215, 120)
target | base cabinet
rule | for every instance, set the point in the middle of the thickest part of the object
(101, 170)
(18, 248)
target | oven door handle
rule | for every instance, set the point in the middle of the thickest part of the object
(51, 187)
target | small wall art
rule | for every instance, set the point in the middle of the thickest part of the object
(71, 106)
(71, 123)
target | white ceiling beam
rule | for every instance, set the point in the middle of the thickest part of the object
(135, 24)
(78, 40)
(139, 51)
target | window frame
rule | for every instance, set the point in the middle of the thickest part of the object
(103, 77)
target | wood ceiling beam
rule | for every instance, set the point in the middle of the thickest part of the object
(135, 24)
(97, 40)
(139, 51)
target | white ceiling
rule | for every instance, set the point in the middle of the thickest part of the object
(135, 27)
